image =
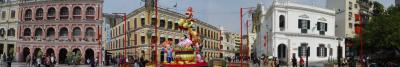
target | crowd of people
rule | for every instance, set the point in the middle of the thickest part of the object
(120, 61)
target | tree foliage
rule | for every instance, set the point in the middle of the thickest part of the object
(383, 31)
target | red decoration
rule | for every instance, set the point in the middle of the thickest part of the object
(357, 29)
(357, 17)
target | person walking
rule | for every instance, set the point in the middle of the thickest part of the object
(294, 61)
(301, 62)
(9, 60)
(38, 61)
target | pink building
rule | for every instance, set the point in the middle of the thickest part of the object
(59, 27)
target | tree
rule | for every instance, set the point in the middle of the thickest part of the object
(381, 36)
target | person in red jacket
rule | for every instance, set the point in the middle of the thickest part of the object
(301, 62)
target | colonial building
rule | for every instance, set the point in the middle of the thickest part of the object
(140, 32)
(287, 29)
(8, 26)
(59, 27)
(228, 43)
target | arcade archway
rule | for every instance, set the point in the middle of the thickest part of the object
(49, 52)
(37, 53)
(25, 53)
(89, 55)
(62, 55)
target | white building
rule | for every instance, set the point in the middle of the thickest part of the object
(228, 43)
(286, 29)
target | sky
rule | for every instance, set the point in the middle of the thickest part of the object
(224, 13)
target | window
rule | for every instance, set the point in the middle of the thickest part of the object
(355, 6)
(77, 12)
(39, 14)
(28, 15)
(162, 23)
(303, 49)
(350, 15)
(27, 32)
(162, 39)
(12, 13)
(322, 27)
(50, 32)
(90, 13)
(11, 32)
(76, 31)
(282, 22)
(142, 22)
(321, 51)
(38, 32)
(304, 25)
(176, 26)
(350, 25)
(2, 32)
(142, 39)
(3, 14)
(64, 13)
(135, 23)
(169, 25)
(153, 21)
(63, 32)
(51, 12)
(350, 5)
(89, 32)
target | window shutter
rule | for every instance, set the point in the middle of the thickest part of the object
(299, 51)
(300, 23)
(308, 24)
(326, 26)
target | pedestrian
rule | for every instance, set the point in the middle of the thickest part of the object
(294, 61)
(28, 60)
(301, 62)
(9, 60)
(52, 61)
(92, 62)
(38, 61)
(96, 61)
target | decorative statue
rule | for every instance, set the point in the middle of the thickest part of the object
(199, 59)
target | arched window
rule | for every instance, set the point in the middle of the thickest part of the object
(89, 32)
(76, 31)
(27, 32)
(77, 12)
(50, 32)
(64, 13)
(90, 13)
(321, 51)
(28, 15)
(39, 14)
(11, 32)
(63, 31)
(282, 22)
(51, 12)
(38, 32)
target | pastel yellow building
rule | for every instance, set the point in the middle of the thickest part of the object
(140, 26)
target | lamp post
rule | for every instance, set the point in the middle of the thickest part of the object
(241, 34)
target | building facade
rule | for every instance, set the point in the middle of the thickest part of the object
(346, 20)
(8, 26)
(140, 26)
(287, 29)
(54, 27)
(228, 43)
